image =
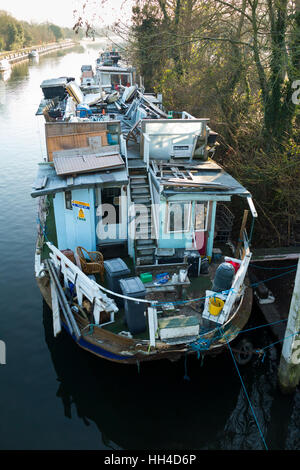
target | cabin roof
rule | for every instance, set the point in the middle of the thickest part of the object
(48, 182)
(111, 68)
(87, 163)
(207, 177)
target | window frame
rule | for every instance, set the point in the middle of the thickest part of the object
(207, 215)
(69, 202)
(169, 203)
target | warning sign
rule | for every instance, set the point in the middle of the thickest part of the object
(81, 215)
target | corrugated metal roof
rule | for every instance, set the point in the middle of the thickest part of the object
(47, 181)
(86, 163)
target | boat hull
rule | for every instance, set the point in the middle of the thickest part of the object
(118, 349)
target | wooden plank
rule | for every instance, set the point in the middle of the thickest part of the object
(55, 129)
(72, 141)
(55, 310)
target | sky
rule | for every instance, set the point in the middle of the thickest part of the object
(60, 12)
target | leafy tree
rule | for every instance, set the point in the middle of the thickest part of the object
(57, 31)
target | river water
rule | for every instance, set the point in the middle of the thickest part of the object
(54, 395)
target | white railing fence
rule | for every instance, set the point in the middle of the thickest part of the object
(96, 294)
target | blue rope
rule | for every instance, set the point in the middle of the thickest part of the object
(273, 277)
(176, 302)
(225, 292)
(186, 377)
(44, 229)
(247, 396)
(279, 341)
(201, 345)
(251, 329)
(267, 268)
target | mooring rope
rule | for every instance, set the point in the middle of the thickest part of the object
(251, 265)
(247, 396)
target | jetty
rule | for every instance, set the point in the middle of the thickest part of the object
(274, 275)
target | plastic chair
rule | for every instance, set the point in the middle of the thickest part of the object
(91, 261)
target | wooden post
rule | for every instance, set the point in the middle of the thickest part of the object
(289, 367)
(244, 221)
(152, 325)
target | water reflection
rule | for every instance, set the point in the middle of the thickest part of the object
(151, 409)
(20, 70)
(156, 408)
(4, 76)
(34, 60)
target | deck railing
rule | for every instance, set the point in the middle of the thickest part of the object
(96, 293)
(238, 281)
(83, 285)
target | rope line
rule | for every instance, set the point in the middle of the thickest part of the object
(238, 332)
(268, 268)
(247, 396)
(44, 228)
(280, 340)
(225, 292)
(273, 277)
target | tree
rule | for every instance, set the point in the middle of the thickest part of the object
(57, 31)
(15, 35)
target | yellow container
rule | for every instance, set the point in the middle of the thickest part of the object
(215, 306)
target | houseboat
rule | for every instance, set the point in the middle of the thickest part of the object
(88, 81)
(33, 54)
(113, 74)
(133, 250)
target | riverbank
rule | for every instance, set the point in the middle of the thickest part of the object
(14, 57)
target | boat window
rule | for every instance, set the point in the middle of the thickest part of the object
(201, 212)
(105, 79)
(68, 200)
(125, 80)
(115, 79)
(112, 196)
(179, 216)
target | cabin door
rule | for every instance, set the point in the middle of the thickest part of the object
(200, 225)
(111, 215)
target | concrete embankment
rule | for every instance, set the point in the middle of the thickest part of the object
(23, 54)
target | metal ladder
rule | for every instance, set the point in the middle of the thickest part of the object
(144, 244)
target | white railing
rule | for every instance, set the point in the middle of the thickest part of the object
(154, 210)
(146, 149)
(186, 115)
(83, 285)
(237, 283)
(95, 293)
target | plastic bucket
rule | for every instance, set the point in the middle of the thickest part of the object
(215, 306)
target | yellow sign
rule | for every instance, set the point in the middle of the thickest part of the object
(81, 214)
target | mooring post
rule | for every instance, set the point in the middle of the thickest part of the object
(289, 367)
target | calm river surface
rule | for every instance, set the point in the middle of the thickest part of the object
(54, 395)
